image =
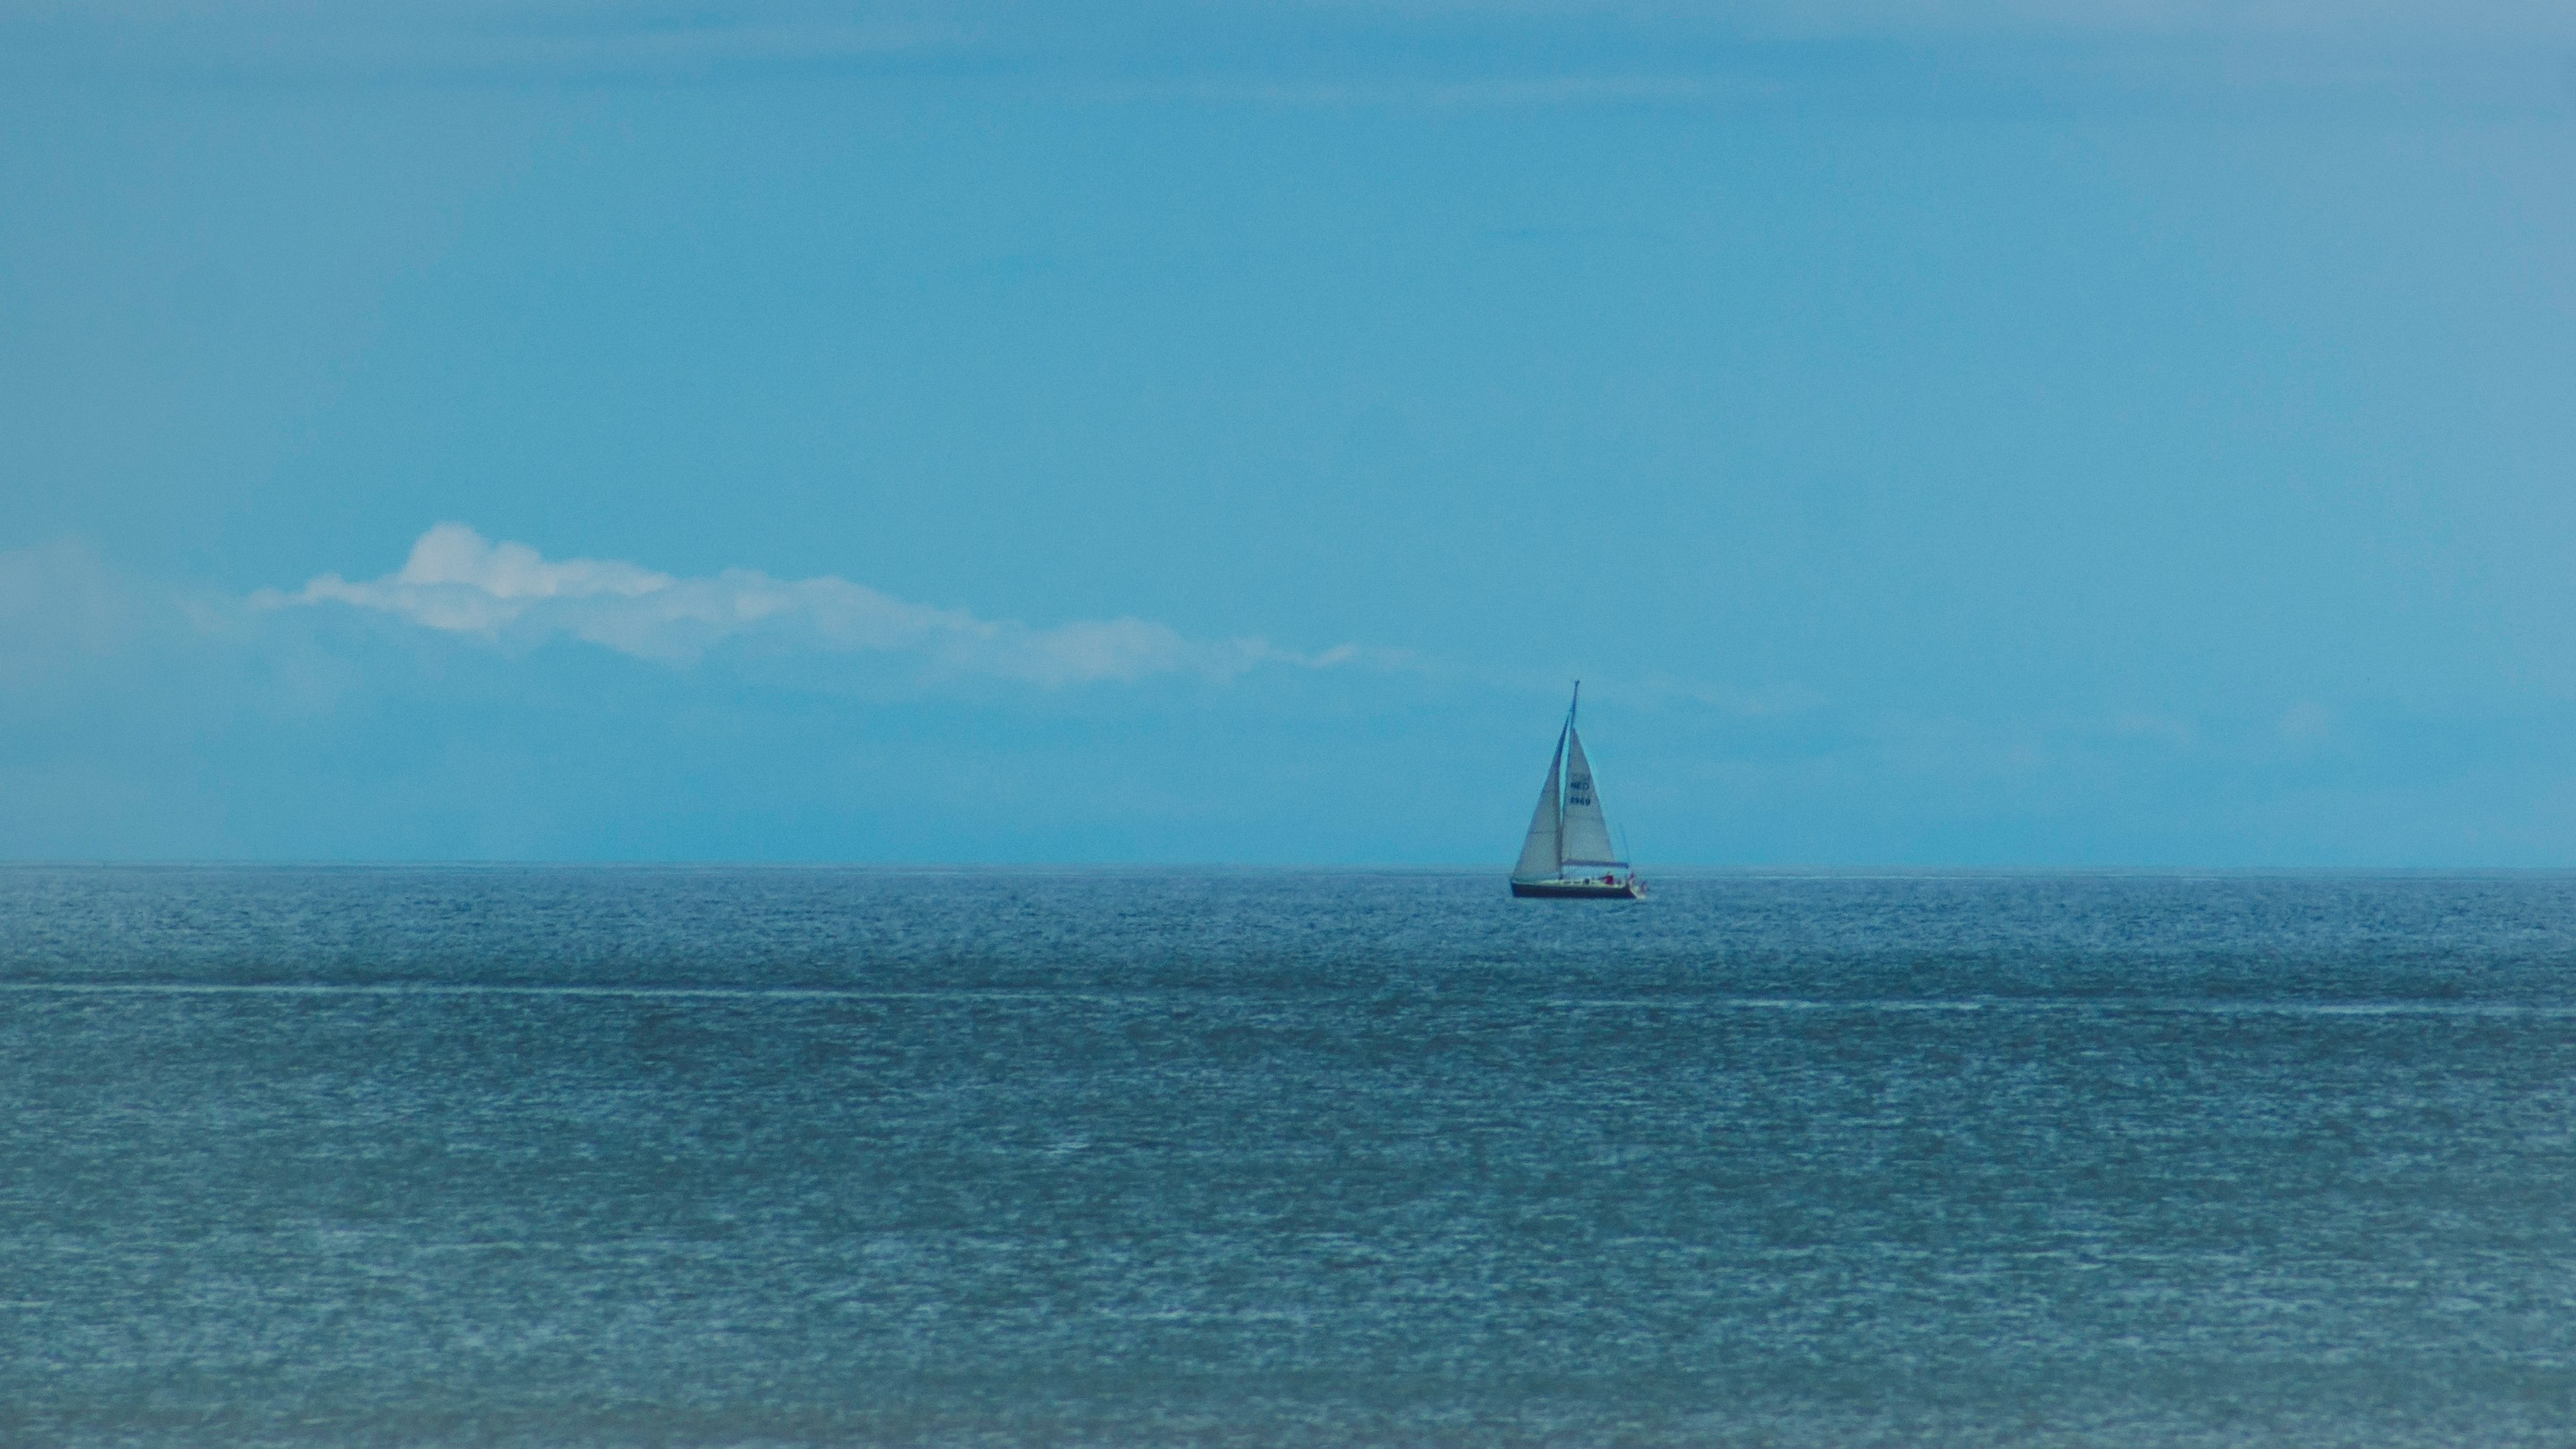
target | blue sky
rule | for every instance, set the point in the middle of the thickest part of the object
(1938, 434)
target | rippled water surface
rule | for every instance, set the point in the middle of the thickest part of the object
(679, 1157)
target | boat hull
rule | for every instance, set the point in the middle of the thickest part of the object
(1580, 890)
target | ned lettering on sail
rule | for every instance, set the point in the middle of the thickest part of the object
(1568, 854)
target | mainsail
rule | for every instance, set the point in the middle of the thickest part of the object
(1539, 852)
(1584, 837)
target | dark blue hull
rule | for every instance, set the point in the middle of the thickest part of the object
(1581, 890)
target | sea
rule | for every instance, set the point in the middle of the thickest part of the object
(915, 1157)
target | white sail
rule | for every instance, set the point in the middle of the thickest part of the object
(1584, 837)
(1538, 852)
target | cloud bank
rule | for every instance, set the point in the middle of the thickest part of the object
(459, 582)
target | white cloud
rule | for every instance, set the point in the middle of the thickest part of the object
(457, 581)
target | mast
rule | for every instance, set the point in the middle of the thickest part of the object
(1562, 736)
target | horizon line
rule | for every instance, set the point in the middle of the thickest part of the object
(1213, 867)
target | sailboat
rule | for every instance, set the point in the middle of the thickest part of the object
(1568, 853)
